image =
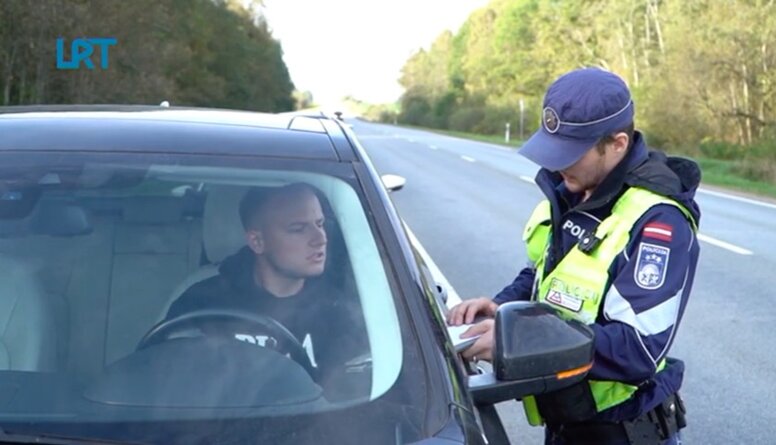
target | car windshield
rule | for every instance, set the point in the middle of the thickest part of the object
(144, 296)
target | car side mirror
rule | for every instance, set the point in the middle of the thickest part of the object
(535, 352)
(393, 183)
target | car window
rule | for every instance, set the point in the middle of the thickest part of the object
(174, 290)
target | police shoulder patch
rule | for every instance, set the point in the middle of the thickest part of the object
(651, 266)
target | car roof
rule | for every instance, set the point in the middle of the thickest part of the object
(139, 128)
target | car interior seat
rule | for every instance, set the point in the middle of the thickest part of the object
(152, 253)
(34, 314)
(28, 334)
(222, 235)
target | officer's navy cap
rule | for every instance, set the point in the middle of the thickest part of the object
(579, 109)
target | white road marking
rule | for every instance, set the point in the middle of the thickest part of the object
(724, 245)
(468, 159)
(738, 198)
(433, 147)
(528, 179)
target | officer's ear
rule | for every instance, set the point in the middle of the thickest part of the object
(620, 142)
(255, 241)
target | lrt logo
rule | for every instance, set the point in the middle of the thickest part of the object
(81, 50)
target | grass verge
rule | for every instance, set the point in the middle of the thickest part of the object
(722, 174)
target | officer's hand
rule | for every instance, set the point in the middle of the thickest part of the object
(482, 349)
(464, 312)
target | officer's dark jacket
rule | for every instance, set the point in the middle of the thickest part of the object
(319, 316)
(630, 342)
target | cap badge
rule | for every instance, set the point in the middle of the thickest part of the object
(550, 120)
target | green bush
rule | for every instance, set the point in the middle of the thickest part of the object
(757, 170)
(415, 111)
(761, 151)
(722, 150)
(387, 117)
(494, 121)
(765, 149)
(466, 118)
(443, 108)
(484, 120)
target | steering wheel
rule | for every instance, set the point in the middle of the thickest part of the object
(287, 341)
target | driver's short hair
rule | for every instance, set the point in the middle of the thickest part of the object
(255, 200)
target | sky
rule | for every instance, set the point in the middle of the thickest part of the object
(337, 48)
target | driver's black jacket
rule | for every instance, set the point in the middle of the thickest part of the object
(329, 325)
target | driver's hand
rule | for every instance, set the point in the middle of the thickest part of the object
(482, 349)
(466, 311)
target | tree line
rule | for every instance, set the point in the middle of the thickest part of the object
(217, 53)
(702, 72)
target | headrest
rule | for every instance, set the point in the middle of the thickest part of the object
(222, 231)
(50, 217)
(60, 219)
(153, 210)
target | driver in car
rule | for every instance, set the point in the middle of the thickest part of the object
(279, 274)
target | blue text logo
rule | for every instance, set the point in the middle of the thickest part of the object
(81, 50)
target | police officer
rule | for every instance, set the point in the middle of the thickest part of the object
(613, 245)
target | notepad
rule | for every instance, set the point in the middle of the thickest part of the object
(461, 344)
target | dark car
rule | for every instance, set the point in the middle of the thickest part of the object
(109, 214)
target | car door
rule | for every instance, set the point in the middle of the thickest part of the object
(446, 297)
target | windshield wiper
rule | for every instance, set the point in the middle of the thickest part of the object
(53, 439)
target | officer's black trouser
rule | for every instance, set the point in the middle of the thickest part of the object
(659, 426)
(555, 440)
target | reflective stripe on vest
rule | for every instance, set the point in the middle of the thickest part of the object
(577, 285)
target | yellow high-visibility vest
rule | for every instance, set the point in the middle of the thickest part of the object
(579, 279)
